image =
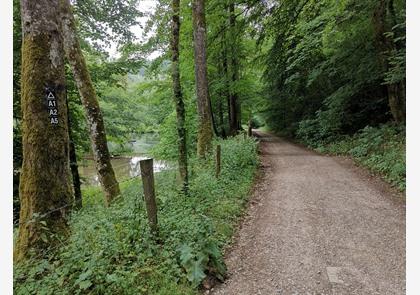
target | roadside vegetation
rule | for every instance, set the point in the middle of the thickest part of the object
(328, 73)
(111, 250)
(336, 80)
(381, 149)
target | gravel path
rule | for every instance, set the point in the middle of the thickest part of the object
(317, 225)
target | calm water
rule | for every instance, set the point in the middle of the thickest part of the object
(124, 166)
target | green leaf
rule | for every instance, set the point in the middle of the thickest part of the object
(212, 249)
(83, 276)
(196, 273)
(110, 278)
(186, 254)
(85, 284)
(44, 238)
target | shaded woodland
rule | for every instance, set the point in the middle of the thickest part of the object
(329, 74)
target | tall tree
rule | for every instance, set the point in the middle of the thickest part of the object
(205, 134)
(226, 80)
(386, 46)
(234, 107)
(90, 102)
(45, 184)
(177, 92)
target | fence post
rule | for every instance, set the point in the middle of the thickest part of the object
(217, 161)
(249, 127)
(146, 168)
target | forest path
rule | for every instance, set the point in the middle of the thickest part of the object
(317, 225)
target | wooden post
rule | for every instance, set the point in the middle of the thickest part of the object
(146, 168)
(249, 127)
(217, 161)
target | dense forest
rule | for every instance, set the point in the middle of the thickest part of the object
(327, 74)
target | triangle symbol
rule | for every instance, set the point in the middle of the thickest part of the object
(50, 96)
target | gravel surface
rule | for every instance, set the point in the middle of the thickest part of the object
(317, 225)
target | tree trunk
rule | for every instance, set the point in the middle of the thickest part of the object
(75, 175)
(73, 165)
(395, 91)
(90, 102)
(226, 78)
(213, 120)
(234, 106)
(45, 184)
(74, 170)
(205, 134)
(220, 114)
(179, 103)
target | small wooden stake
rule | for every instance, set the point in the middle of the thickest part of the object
(217, 161)
(249, 128)
(146, 167)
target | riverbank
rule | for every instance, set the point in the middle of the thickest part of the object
(125, 159)
(110, 250)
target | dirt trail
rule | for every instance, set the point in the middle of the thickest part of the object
(317, 225)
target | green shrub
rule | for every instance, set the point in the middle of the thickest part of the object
(111, 250)
(381, 149)
(167, 147)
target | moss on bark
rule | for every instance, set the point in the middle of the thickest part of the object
(205, 132)
(179, 103)
(90, 102)
(45, 183)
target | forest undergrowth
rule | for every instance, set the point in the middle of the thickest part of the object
(111, 250)
(380, 149)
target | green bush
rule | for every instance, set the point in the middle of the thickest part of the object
(111, 251)
(381, 149)
(167, 147)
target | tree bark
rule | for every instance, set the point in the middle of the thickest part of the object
(45, 184)
(226, 78)
(90, 102)
(234, 106)
(75, 175)
(220, 114)
(384, 45)
(179, 103)
(205, 134)
(213, 120)
(73, 165)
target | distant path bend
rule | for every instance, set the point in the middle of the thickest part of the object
(317, 225)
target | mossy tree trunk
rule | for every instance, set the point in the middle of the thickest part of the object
(45, 184)
(385, 46)
(90, 102)
(205, 134)
(179, 103)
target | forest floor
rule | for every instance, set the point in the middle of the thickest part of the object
(317, 225)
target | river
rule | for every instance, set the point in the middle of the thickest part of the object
(125, 166)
